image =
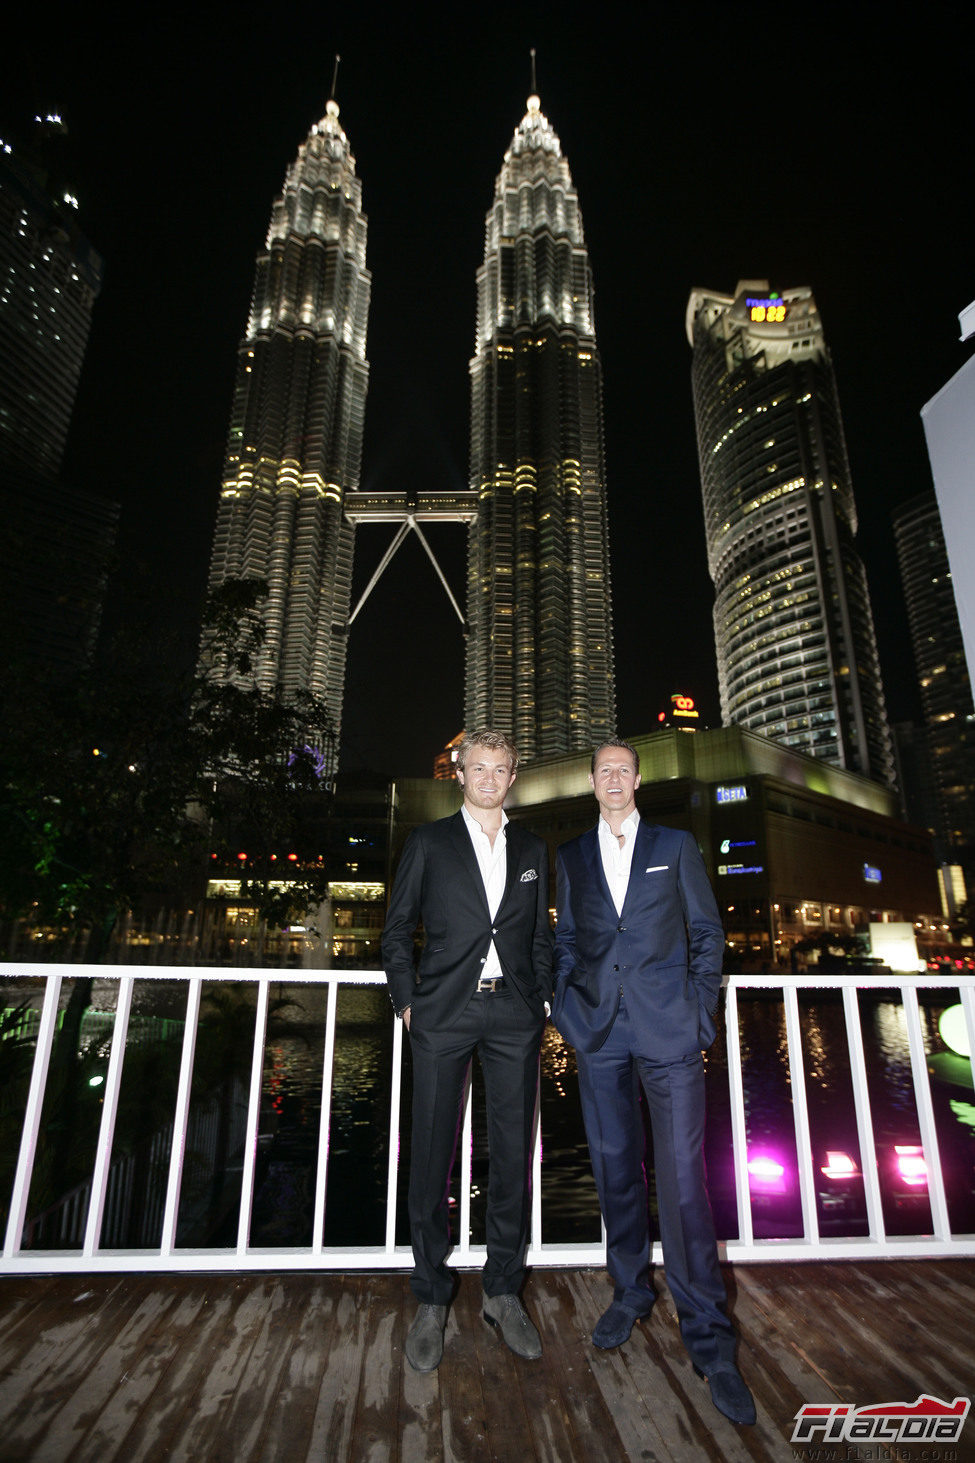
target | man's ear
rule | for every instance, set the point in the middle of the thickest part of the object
(636, 782)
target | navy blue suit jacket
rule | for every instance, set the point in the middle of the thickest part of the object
(439, 881)
(664, 949)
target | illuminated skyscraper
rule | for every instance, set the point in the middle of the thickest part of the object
(942, 671)
(56, 540)
(797, 656)
(540, 653)
(295, 441)
(50, 277)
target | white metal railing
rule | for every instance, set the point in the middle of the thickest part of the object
(95, 1196)
(877, 1243)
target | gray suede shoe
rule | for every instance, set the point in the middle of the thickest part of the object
(509, 1315)
(424, 1340)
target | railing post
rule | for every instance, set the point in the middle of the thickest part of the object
(392, 1166)
(925, 1114)
(106, 1128)
(861, 1102)
(739, 1135)
(463, 1249)
(536, 1219)
(800, 1113)
(177, 1151)
(32, 1115)
(253, 1117)
(324, 1130)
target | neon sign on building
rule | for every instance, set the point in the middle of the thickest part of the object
(769, 311)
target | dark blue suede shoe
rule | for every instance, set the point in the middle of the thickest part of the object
(728, 1392)
(615, 1325)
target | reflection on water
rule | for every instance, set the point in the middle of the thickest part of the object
(837, 1159)
(358, 1137)
(359, 1130)
(358, 1150)
(570, 1208)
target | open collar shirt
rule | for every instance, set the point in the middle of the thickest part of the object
(617, 859)
(493, 864)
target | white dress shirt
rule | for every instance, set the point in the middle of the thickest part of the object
(618, 858)
(493, 864)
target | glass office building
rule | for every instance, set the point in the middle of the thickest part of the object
(942, 670)
(797, 654)
(56, 540)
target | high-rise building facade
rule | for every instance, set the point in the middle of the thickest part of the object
(949, 431)
(295, 442)
(50, 277)
(56, 541)
(539, 649)
(942, 670)
(797, 655)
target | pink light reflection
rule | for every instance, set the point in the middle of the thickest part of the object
(766, 1174)
(839, 1165)
(911, 1165)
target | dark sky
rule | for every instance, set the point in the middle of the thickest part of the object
(827, 145)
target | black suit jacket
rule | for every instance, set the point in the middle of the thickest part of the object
(439, 881)
(664, 949)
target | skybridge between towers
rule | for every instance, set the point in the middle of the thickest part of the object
(408, 511)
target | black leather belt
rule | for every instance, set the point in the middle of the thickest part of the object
(489, 986)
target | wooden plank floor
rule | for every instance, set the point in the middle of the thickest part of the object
(284, 1368)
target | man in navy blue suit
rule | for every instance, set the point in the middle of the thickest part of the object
(638, 949)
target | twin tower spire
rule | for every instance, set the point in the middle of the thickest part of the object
(538, 619)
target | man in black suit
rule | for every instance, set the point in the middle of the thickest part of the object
(637, 976)
(480, 886)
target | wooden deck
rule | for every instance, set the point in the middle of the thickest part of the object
(289, 1367)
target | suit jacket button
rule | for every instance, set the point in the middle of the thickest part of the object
(494, 932)
(616, 967)
(621, 929)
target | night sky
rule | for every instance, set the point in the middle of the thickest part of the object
(827, 145)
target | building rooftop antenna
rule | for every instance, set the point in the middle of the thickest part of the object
(335, 77)
(534, 83)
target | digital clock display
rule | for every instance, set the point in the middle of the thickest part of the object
(766, 312)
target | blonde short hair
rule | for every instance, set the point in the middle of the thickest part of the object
(494, 741)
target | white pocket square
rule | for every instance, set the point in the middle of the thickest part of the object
(528, 876)
(657, 868)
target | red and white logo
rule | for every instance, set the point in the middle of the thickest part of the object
(927, 1420)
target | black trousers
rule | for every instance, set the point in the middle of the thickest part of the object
(507, 1038)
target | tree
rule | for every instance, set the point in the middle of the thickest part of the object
(111, 784)
(267, 756)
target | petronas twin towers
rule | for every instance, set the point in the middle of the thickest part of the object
(540, 654)
(539, 646)
(295, 440)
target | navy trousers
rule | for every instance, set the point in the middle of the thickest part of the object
(674, 1091)
(507, 1039)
